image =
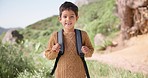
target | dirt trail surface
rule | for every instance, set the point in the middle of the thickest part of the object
(134, 57)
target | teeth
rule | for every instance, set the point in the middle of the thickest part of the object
(68, 23)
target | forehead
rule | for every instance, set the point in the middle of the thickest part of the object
(68, 12)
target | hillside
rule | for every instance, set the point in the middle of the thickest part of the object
(2, 30)
(84, 2)
(45, 24)
(99, 18)
(133, 57)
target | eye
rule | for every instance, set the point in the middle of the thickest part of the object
(71, 16)
(64, 16)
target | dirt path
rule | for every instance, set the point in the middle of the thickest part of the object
(134, 57)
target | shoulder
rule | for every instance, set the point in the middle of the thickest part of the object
(84, 33)
(84, 36)
(53, 37)
(54, 33)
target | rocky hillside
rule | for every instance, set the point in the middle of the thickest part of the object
(2, 30)
(84, 2)
(134, 17)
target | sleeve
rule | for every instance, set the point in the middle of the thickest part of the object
(86, 42)
(52, 41)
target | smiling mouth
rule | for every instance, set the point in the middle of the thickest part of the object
(68, 23)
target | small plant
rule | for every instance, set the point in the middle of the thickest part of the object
(104, 45)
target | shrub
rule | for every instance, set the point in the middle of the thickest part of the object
(12, 61)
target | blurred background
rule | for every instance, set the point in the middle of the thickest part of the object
(25, 28)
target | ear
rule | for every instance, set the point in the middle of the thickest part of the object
(77, 17)
(59, 18)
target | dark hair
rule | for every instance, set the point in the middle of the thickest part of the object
(68, 6)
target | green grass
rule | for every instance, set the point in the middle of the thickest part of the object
(45, 23)
(100, 70)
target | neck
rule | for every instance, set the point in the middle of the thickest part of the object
(67, 31)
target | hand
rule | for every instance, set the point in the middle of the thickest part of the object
(56, 47)
(85, 49)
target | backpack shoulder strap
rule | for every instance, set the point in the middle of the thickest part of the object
(60, 41)
(61, 52)
(79, 51)
(79, 42)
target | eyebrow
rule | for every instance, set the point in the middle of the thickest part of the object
(70, 14)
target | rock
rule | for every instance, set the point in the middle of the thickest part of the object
(99, 39)
(136, 3)
(12, 36)
(133, 15)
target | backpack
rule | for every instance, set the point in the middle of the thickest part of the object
(78, 47)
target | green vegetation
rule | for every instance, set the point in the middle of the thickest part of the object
(25, 60)
(98, 17)
(94, 18)
(100, 70)
(104, 45)
(45, 24)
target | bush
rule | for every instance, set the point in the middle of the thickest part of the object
(40, 73)
(13, 62)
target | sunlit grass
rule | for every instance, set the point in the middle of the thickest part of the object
(100, 70)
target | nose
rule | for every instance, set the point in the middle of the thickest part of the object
(68, 18)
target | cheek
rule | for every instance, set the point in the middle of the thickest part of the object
(61, 21)
(74, 21)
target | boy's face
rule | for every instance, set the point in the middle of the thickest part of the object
(68, 20)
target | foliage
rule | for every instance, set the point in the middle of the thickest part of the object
(98, 17)
(38, 35)
(37, 74)
(1, 37)
(100, 70)
(23, 61)
(45, 23)
(13, 61)
(104, 45)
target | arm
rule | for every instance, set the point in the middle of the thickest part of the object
(87, 47)
(49, 52)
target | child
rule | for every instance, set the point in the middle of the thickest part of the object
(70, 64)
